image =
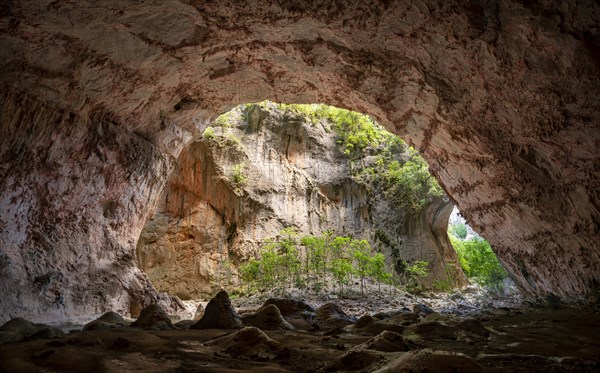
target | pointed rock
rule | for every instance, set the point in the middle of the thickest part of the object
(250, 342)
(109, 320)
(153, 317)
(219, 314)
(332, 316)
(267, 318)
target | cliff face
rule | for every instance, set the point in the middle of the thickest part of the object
(295, 175)
(501, 98)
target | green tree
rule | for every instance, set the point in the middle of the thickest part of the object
(377, 270)
(361, 251)
(479, 262)
(459, 230)
(341, 269)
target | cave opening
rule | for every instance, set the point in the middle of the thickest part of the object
(99, 101)
(304, 200)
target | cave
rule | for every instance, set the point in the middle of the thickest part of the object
(100, 100)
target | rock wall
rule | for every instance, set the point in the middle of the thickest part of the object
(501, 98)
(205, 225)
(69, 215)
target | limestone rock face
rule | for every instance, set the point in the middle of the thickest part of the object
(295, 175)
(98, 100)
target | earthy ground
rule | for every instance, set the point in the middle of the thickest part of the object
(548, 338)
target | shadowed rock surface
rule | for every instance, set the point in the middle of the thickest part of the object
(219, 314)
(109, 320)
(99, 100)
(267, 318)
(544, 339)
(249, 342)
(367, 325)
(332, 316)
(153, 317)
(19, 329)
(289, 306)
(386, 341)
(435, 361)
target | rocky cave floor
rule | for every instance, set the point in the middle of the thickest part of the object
(464, 331)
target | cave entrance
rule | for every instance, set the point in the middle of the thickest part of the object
(476, 257)
(282, 197)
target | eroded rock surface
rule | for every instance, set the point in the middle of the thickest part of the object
(99, 99)
(295, 175)
(219, 314)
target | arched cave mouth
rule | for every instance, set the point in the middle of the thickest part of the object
(266, 175)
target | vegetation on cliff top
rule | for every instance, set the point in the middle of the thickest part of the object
(378, 158)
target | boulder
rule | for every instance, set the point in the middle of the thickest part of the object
(267, 318)
(250, 342)
(19, 329)
(422, 309)
(434, 361)
(386, 341)
(288, 306)
(367, 325)
(219, 314)
(109, 320)
(153, 317)
(332, 316)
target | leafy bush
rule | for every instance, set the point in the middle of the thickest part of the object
(209, 134)
(237, 176)
(223, 120)
(311, 259)
(459, 230)
(479, 262)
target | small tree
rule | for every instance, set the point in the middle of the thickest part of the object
(377, 270)
(414, 273)
(250, 273)
(341, 269)
(361, 251)
(459, 230)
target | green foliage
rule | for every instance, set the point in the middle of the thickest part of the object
(459, 230)
(209, 134)
(223, 120)
(377, 270)
(232, 140)
(310, 260)
(479, 262)
(238, 178)
(361, 251)
(410, 184)
(414, 273)
(393, 169)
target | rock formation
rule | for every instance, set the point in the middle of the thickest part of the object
(99, 99)
(295, 175)
(219, 314)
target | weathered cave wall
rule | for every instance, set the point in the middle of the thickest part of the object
(74, 192)
(501, 97)
(296, 176)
